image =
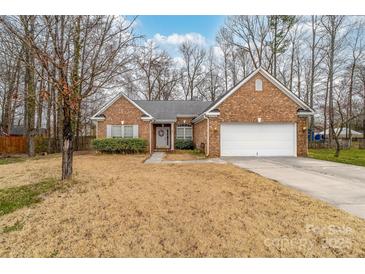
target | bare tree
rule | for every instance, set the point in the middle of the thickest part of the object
(192, 72)
(332, 25)
(279, 26)
(251, 34)
(212, 83)
(357, 46)
(98, 43)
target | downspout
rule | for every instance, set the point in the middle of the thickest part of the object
(207, 150)
(172, 136)
(150, 138)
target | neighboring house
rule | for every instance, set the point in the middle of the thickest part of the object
(343, 135)
(258, 117)
(20, 131)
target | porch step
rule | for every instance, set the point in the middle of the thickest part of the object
(161, 150)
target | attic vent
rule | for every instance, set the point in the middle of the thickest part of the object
(258, 85)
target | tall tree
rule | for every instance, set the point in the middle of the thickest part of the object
(280, 25)
(192, 72)
(332, 25)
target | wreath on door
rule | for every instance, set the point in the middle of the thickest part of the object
(161, 132)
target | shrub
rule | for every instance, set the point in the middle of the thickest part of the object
(184, 144)
(120, 145)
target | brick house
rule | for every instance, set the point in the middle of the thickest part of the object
(257, 117)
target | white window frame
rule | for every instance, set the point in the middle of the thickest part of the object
(184, 136)
(120, 128)
(123, 131)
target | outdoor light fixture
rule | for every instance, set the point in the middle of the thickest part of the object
(259, 120)
(122, 122)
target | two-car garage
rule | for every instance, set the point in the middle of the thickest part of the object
(258, 139)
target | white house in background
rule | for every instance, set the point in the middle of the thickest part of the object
(354, 133)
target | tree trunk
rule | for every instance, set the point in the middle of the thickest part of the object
(325, 110)
(292, 67)
(349, 125)
(330, 76)
(312, 73)
(30, 104)
(67, 144)
(337, 153)
(48, 122)
(363, 120)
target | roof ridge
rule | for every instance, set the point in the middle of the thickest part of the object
(200, 101)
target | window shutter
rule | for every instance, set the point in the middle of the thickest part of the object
(108, 131)
(135, 131)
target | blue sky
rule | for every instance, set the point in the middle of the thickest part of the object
(169, 31)
(166, 25)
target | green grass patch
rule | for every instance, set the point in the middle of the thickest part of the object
(10, 160)
(15, 227)
(14, 198)
(353, 156)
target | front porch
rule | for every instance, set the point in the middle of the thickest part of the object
(164, 133)
(162, 137)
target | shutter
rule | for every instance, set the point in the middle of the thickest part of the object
(135, 131)
(108, 131)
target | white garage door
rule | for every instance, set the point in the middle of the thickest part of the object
(258, 139)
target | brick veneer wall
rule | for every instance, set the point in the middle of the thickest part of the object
(302, 136)
(200, 135)
(247, 105)
(123, 110)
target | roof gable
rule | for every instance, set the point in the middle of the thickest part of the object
(96, 116)
(270, 78)
(159, 110)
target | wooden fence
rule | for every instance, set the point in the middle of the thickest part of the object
(18, 144)
(344, 144)
(13, 144)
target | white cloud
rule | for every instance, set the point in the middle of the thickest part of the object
(179, 61)
(177, 39)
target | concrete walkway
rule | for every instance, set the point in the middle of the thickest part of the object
(338, 184)
(157, 158)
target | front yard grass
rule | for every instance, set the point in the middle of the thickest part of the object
(13, 198)
(10, 160)
(121, 207)
(353, 156)
(184, 155)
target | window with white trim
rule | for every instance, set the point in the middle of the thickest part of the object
(258, 85)
(116, 131)
(128, 132)
(184, 132)
(122, 131)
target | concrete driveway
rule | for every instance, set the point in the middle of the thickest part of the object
(338, 184)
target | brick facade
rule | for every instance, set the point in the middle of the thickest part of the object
(302, 136)
(247, 105)
(123, 110)
(200, 135)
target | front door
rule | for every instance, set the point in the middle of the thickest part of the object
(162, 137)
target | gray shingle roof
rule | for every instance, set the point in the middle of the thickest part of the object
(168, 110)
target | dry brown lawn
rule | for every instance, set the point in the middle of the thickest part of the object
(183, 155)
(121, 207)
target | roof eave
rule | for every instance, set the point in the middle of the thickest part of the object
(306, 113)
(97, 118)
